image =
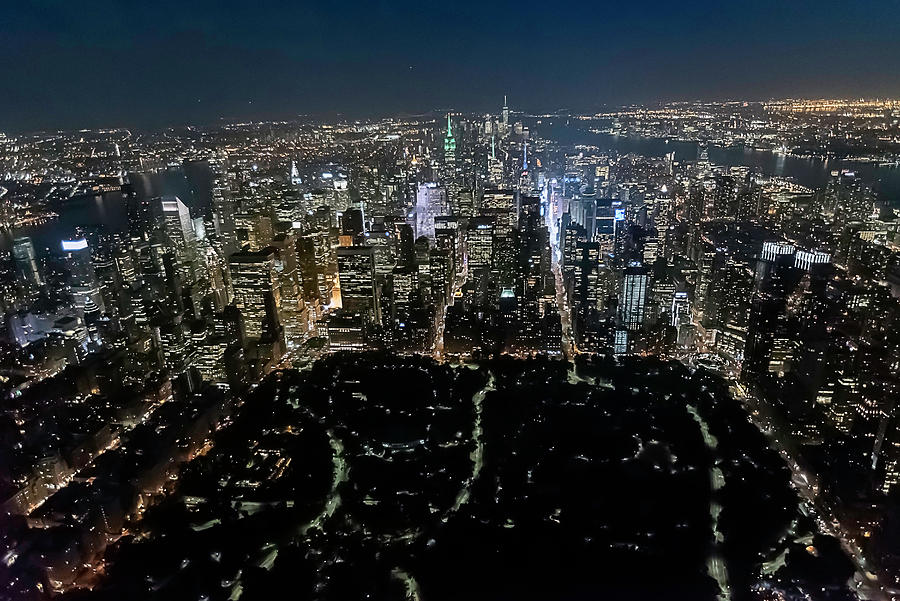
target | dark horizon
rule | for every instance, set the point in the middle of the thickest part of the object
(436, 112)
(101, 65)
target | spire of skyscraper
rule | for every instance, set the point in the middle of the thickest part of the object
(449, 143)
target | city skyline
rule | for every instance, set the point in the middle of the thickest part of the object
(697, 299)
(337, 303)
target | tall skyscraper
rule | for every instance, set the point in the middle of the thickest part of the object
(448, 236)
(26, 261)
(680, 313)
(583, 211)
(505, 114)
(634, 297)
(431, 201)
(256, 291)
(500, 204)
(449, 143)
(359, 290)
(293, 310)
(480, 244)
(178, 231)
(82, 277)
(776, 277)
(585, 278)
(495, 165)
(222, 204)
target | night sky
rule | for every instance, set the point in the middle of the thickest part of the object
(67, 63)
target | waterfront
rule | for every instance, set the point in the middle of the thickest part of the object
(807, 171)
(191, 183)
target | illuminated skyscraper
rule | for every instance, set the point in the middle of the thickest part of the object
(448, 237)
(768, 329)
(431, 201)
(505, 115)
(26, 261)
(359, 291)
(449, 143)
(222, 204)
(441, 265)
(82, 277)
(178, 231)
(634, 296)
(680, 312)
(480, 244)
(462, 203)
(293, 310)
(585, 277)
(256, 291)
(500, 204)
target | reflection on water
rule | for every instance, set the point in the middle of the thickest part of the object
(192, 183)
(100, 206)
(779, 165)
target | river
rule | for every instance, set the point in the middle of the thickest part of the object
(192, 183)
(806, 171)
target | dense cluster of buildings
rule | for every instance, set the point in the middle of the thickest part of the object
(456, 236)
